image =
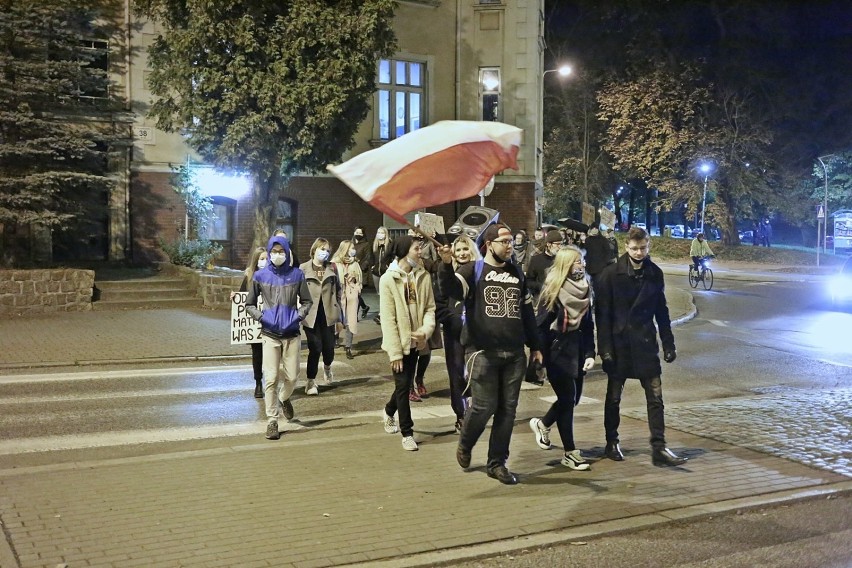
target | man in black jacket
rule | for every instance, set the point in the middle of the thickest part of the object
(535, 280)
(631, 296)
(598, 253)
(499, 319)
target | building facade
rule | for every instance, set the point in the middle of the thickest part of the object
(456, 60)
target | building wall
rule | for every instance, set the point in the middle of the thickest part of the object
(454, 38)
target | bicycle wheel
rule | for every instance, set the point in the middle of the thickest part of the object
(707, 279)
(693, 277)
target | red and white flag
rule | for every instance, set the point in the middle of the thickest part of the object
(444, 162)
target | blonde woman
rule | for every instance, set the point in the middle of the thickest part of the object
(565, 321)
(320, 323)
(257, 261)
(449, 314)
(352, 280)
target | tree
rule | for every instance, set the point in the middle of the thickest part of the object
(265, 87)
(58, 124)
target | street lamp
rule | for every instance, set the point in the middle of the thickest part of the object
(562, 71)
(824, 209)
(705, 169)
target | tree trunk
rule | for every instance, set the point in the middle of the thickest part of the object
(266, 190)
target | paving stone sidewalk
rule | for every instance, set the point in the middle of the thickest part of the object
(328, 497)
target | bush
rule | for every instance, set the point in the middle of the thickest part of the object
(190, 252)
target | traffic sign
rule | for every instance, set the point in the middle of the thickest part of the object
(820, 212)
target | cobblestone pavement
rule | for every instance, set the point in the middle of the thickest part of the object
(810, 427)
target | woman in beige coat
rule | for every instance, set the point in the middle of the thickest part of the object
(408, 320)
(352, 280)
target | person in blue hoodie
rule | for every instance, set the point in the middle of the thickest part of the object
(286, 302)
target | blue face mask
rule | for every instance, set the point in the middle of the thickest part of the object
(322, 255)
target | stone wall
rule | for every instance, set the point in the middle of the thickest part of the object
(25, 292)
(213, 286)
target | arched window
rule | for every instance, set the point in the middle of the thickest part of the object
(285, 218)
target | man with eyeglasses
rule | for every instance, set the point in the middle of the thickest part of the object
(498, 321)
(630, 296)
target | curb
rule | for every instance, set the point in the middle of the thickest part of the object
(597, 530)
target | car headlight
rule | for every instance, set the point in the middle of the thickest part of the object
(840, 287)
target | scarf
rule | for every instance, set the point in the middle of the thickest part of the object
(521, 251)
(574, 299)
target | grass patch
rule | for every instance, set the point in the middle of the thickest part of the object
(671, 249)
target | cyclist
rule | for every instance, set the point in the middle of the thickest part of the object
(699, 250)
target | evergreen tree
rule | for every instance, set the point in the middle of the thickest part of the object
(55, 129)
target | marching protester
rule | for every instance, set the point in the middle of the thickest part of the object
(568, 341)
(408, 320)
(352, 280)
(535, 275)
(630, 299)
(325, 289)
(523, 250)
(382, 257)
(364, 258)
(598, 253)
(283, 289)
(257, 261)
(499, 319)
(449, 314)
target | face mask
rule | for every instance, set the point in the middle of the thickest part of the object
(322, 255)
(277, 258)
(380, 236)
(577, 274)
(261, 263)
(352, 253)
(412, 263)
(499, 258)
(358, 237)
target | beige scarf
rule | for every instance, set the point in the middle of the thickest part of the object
(574, 299)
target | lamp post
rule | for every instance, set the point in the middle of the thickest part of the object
(705, 169)
(563, 71)
(824, 209)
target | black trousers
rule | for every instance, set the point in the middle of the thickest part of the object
(398, 402)
(320, 342)
(257, 360)
(454, 353)
(654, 400)
(568, 389)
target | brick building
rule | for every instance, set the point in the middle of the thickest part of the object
(456, 59)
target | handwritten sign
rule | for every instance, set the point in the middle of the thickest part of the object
(588, 214)
(244, 328)
(430, 223)
(607, 218)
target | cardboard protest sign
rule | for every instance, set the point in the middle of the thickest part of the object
(244, 328)
(588, 216)
(430, 223)
(607, 218)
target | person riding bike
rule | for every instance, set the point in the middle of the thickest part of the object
(699, 250)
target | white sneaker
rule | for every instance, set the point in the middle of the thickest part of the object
(390, 425)
(311, 388)
(542, 434)
(329, 375)
(409, 444)
(573, 460)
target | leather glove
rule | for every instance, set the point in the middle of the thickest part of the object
(669, 356)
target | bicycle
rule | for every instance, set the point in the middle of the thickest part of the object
(704, 275)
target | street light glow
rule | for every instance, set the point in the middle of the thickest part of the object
(706, 168)
(562, 70)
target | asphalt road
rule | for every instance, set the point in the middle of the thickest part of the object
(814, 533)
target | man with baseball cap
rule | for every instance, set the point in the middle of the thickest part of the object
(498, 321)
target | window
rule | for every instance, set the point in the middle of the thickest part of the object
(219, 225)
(94, 57)
(285, 218)
(401, 97)
(489, 93)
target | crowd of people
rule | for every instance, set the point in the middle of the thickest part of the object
(505, 309)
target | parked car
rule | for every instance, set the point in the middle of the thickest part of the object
(640, 225)
(840, 286)
(746, 236)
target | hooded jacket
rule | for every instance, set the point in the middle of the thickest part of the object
(396, 321)
(283, 288)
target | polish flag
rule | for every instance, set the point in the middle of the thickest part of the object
(444, 162)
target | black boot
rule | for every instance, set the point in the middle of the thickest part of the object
(664, 456)
(349, 354)
(613, 451)
(258, 389)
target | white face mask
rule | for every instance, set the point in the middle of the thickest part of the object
(412, 263)
(322, 255)
(277, 258)
(261, 263)
(380, 236)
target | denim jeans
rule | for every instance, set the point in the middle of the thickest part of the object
(654, 399)
(399, 399)
(495, 384)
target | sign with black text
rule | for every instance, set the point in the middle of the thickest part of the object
(244, 328)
